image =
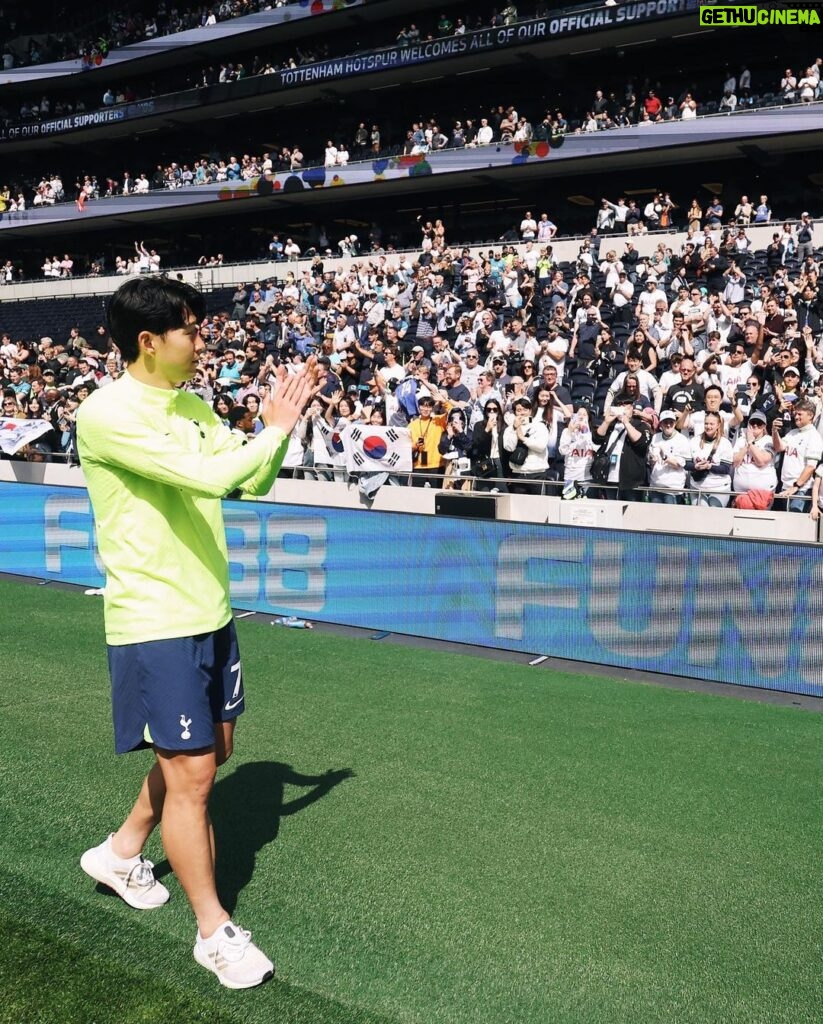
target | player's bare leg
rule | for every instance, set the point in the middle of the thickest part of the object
(144, 817)
(130, 838)
(187, 836)
(221, 945)
(118, 861)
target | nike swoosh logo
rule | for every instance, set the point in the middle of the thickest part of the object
(230, 706)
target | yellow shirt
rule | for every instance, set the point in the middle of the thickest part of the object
(430, 431)
(157, 462)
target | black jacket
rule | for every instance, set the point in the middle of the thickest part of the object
(632, 469)
(481, 445)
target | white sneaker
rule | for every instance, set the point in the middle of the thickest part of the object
(131, 879)
(233, 957)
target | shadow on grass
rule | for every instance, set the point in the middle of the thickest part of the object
(247, 808)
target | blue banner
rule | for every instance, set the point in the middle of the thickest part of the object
(711, 608)
(569, 22)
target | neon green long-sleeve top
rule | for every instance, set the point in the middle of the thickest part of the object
(156, 463)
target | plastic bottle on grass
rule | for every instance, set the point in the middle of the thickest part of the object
(293, 622)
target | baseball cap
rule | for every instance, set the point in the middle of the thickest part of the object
(757, 417)
(668, 414)
(418, 348)
(791, 370)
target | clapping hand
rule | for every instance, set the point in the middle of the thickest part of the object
(283, 408)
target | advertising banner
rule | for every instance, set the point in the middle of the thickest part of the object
(742, 612)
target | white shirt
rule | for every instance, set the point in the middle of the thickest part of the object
(577, 450)
(734, 376)
(748, 475)
(664, 475)
(623, 294)
(343, 338)
(536, 440)
(646, 382)
(611, 270)
(801, 447)
(647, 300)
(706, 450)
(546, 360)
(697, 421)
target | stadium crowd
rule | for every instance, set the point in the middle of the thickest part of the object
(116, 29)
(689, 377)
(633, 103)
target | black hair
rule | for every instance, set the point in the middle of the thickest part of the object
(155, 304)
(223, 396)
(236, 414)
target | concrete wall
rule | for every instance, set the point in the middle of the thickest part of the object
(209, 279)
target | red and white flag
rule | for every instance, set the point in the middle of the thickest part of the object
(16, 434)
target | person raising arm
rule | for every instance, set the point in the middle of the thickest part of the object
(157, 461)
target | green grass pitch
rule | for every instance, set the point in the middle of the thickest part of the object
(417, 836)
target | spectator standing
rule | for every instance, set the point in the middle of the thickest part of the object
(626, 436)
(763, 212)
(802, 450)
(546, 229)
(788, 86)
(695, 216)
(710, 464)
(528, 227)
(805, 237)
(488, 454)
(714, 213)
(425, 433)
(576, 447)
(527, 477)
(753, 457)
(669, 452)
(455, 447)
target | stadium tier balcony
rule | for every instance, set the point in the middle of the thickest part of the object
(783, 130)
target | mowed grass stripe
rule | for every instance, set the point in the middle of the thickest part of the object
(513, 844)
(70, 967)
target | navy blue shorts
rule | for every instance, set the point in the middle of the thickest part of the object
(169, 693)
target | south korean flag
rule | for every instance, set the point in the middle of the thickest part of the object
(377, 449)
(16, 434)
